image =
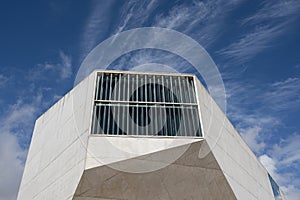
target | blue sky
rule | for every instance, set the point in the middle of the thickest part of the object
(255, 45)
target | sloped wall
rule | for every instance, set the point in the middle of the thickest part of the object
(57, 152)
(245, 174)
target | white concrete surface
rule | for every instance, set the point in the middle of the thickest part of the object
(57, 153)
(62, 149)
(106, 150)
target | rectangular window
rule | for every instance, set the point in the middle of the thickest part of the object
(145, 104)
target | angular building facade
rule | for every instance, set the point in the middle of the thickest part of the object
(128, 135)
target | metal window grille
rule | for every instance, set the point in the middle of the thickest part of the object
(144, 104)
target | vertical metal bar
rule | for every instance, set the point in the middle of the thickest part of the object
(97, 88)
(196, 121)
(141, 115)
(137, 108)
(173, 107)
(106, 88)
(186, 119)
(118, 99)
(129, 131)
(191, 113)
(182, 120)
(184, 97)
(150, 100)
(99, 120)
(94, 119)
(128, 92)
(105, 107)
(189, 100)
(180, 90)
(193, 91)
(114, 108)
(146, 109)
(109, 107)
(110, 87)
(101, 87)
(150, 90)
(164, 131)
(94, 109)
(155, 105)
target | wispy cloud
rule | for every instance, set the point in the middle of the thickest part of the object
(202, 20)
(99, 25)
(278, 10)
(65, 65)
(268, 23)
(63, 68)
(272, 98)
(3, 80)
(283, 95)
(96, 26)
(252, 43)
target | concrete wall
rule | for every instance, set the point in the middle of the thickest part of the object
(56, 157)
(62, 149)
(111, 149)
(187, 178)
(245, 174)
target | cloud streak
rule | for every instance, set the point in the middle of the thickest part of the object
(63, 68)
(268, 23)
(3, 80)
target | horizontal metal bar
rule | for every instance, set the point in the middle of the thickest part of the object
(146, 106)
(145, 102)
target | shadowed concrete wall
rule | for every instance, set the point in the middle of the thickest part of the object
(187, 178)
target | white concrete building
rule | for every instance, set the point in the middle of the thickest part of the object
(127, 135)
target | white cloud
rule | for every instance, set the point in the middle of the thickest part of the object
(269, 164)
(288, 151)
(252, 137)
(11, 166)
(291, 192)
(283, 165)
(14, 126)
(255, 128)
